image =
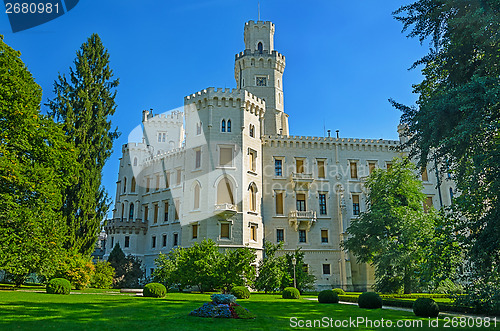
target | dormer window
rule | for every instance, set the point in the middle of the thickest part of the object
(260, 47)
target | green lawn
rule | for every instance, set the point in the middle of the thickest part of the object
(90, 311)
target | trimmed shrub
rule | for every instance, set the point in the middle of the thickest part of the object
(369, 300)
(328, 296)
(425, 307)
(290, 293)
(219, 298)
(241, 292)
(103, 275)
(154, 290)
(58, 286)
(339, 291)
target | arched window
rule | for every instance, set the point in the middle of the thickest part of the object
(223, 126)
(228, 125)
(253, 197)
(124, 184)
(123, 211)
(131, 212)
(279, 84)
(135, 162)
(132, 185)
(196, 197)
(225, 192)
(252, 131)
(260, 47)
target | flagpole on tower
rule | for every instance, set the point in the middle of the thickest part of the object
(258, 10)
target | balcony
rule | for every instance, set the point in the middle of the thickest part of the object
(225, 210)
(301, 179)
(118, 225)
(307, 217)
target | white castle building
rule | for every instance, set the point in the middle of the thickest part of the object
(225, 168)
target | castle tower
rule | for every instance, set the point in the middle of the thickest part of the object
(259, 70)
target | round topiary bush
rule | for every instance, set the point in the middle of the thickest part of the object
(328, 296)
(290, 293)
(58, 286)
(241, 292)
(369, 300)
(425, 307)
(339, 291)
(154, 290)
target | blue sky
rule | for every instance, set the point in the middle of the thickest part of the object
(344, 59)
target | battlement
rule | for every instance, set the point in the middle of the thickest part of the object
(251, 23)
(265, 53)
(311, 141)
(132, 146)
(213, 93)
(173, 116)
(171, 153)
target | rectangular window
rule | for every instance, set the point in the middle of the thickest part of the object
(195, 231)
(301, 202)
(428, 204)
(112, 242)
(253, 156)
(176, 239)
(253, 232)
(280, 235)
(162, 137)
(165, 216)
(305, 267)
(155, 215)
(326, 269)
(167, 179)
(279, 203)
(299, 166)
(224, 230)
(278, 168)
(148, 183)
(302, 236)
(321, 169)
(226, 157)
(164, 240)
(260, 81)
(371, 167)
(177, 206)
(354, 170)
(324, 236)
(127, 242)
(198, 128)
(197, 163)
(355, 204)
(388, 165)
(179, 176)
(157, 187)
(322, 204)
(153, 242)
(425, 176)
(146, 212)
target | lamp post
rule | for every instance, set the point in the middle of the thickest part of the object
(294, 262)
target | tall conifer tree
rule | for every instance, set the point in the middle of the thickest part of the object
(84, 103)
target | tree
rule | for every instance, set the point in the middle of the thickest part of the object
(457, 118)
(35, 159)
(235, 268)
(394, 230)
(272, 269)
(84, 104)
(128, 269)
(304, 281)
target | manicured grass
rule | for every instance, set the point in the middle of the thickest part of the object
(40, 311)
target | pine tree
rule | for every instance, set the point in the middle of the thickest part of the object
(84, 104)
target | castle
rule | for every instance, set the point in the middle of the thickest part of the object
(225, 168)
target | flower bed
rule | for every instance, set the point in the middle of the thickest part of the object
(222, 306)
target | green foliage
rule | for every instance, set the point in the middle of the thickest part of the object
(272, 269)
(339, 291)
(235, 268)
(241, 292)
(103, 275)
(77, 269)
(219, 298)
(154, 290)
(457, 118)
(394, 232)
(58, 286)
(447, 286)
(483, 295)
(304, 281)
(128, 269)
(242, 313)
(328, 296)
(83, 104)
(290, 293)
(34, 160)
(166, 269)
(370, 300)
(425, 307)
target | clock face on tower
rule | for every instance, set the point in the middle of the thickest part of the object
(260, 81)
